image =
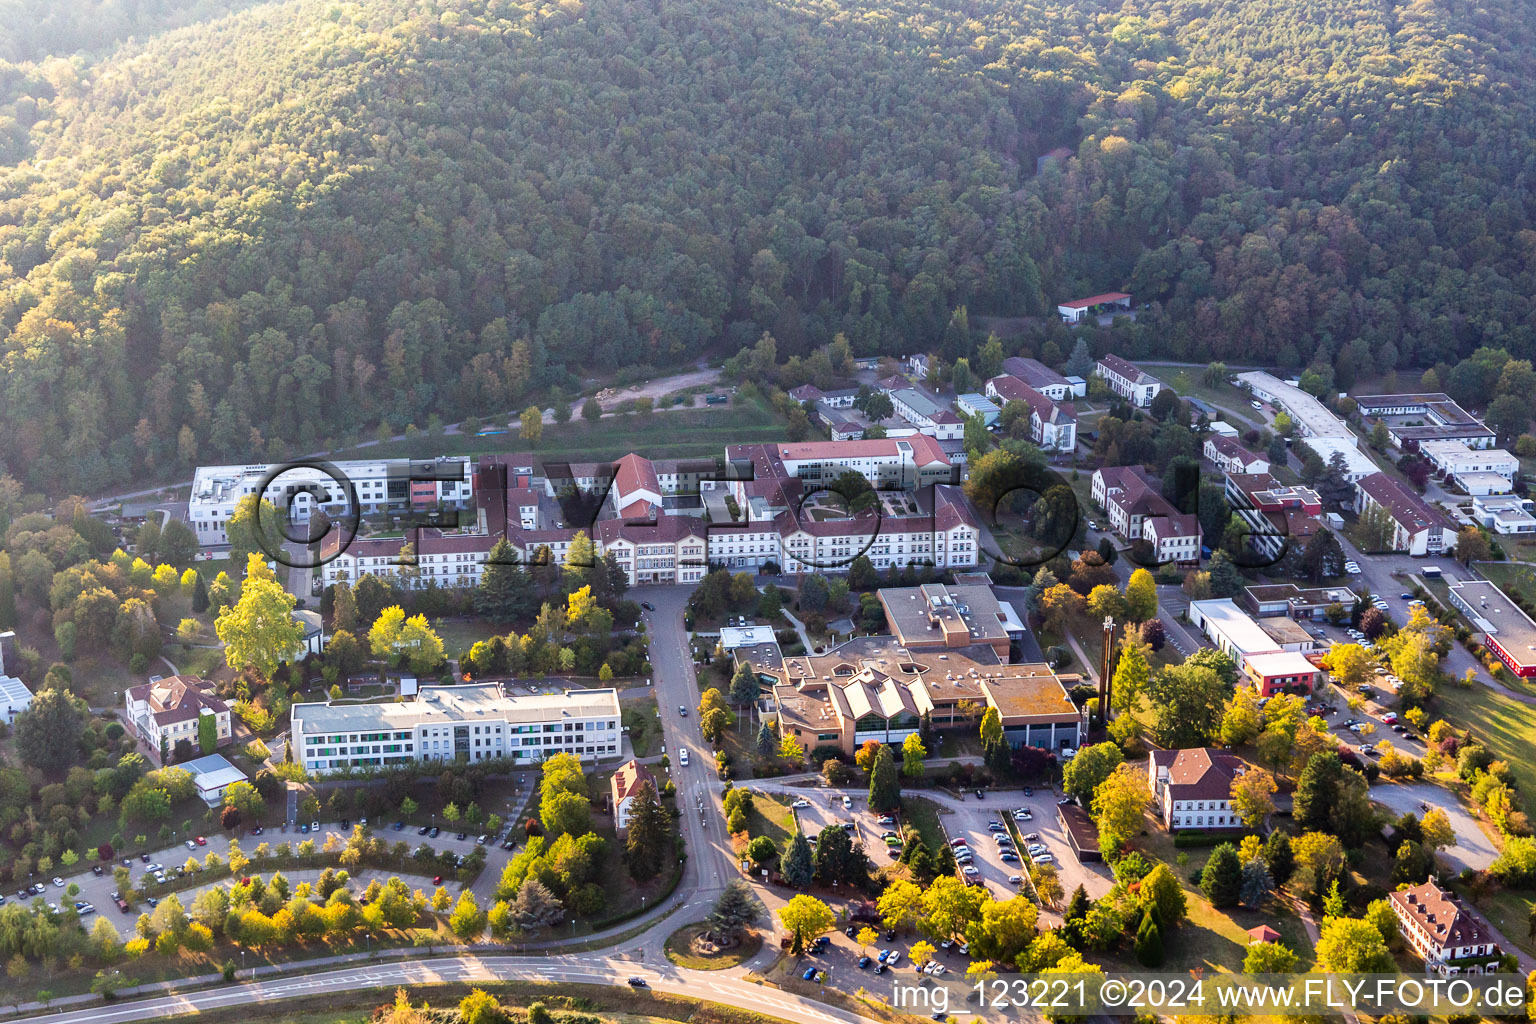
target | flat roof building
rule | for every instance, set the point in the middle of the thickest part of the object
(935, 615)
(1405, 416)
(1311, 416)
(1507, 631)
(471, 722)
(1506, 514)
(1230, 628)
(212, 775)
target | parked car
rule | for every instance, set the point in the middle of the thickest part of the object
(647, 606)
(801, 804)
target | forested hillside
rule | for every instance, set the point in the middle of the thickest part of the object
(245, 236)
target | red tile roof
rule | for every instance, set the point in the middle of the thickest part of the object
(1094, 300)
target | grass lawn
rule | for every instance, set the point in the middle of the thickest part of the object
(1188, 381)
(923, 815)
(1510, 913)
(680, 952)
(459, 635)
(644, 726)
(1505, 726)
(771, 816)
(740, 746)
(682, 433)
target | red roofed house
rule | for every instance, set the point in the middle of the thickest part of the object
(1137, 510)
(1052, 424)
(163, 711)
(1192, 789)
(1081, 309)
(1230, 457)
(1134, 385)
(1451, 938)
(624, 787)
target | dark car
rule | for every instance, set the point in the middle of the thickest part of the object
(647, 606)
(256, 831)
(96, 869)
(850, 931)
(346, 822)
(122, 905)
(637, 983)
(863, 962)
(434, 833)
(424, 830)
(398, 826)
(890, 936)
(462, 836)
(144, 857)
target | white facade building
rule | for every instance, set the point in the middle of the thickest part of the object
(1505, 514)
(379, 485)
(472, 722)
(1478, 471)
(1132, 384)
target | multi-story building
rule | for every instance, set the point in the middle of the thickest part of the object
(1450, 938)
(1126, 380)
(926, 413)
(1137, 510)
(1230, 629)
(378, 486)
(1230, 457)
(165, 710)
(938, 616)
(1417, 528)
(1506, 514)
(624, 788)
(1052, 422)
(1281, 672)
(1192, 789)
(1506, 630)
(1045, 380)
(649, 516)
(1405, 416)
(1282, 516)
(873, 688)
(466, 723)
(1478, 471)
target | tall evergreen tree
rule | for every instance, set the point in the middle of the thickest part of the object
(645, 844)
(884, 785)
(1080, 362)
(767, 743)
(1149, 941)
(1278, 856)
(505, 592)
(744, 684)
(200, 595)
(1222, 879)
(344, 608)
(797, 865)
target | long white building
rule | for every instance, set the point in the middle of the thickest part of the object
(473, 722)
(650, 517)
(380, 485)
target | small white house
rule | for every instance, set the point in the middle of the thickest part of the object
(212, 776)
(972, 403)
(15, 698)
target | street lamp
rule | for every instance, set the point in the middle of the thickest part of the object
(242, 960)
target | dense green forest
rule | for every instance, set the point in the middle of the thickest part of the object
(241, 237)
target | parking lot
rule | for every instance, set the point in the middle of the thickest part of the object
(1379, 709)
(824, 808)
(969, 820)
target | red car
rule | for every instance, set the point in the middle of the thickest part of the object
(437, 879)
(201, 841)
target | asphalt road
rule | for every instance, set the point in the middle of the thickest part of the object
(711, 861)
(592, 969)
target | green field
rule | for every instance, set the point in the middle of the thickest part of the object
(673, 434)
(644, 727)
(771, 816)
(1504, 725)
